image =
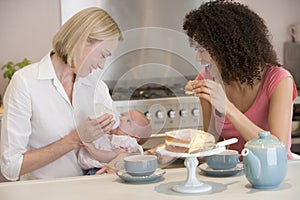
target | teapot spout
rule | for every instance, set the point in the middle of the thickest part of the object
(253, 162)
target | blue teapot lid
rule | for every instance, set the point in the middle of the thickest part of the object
(264, 141)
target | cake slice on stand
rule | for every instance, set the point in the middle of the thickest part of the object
(189, 141)
(190, 144)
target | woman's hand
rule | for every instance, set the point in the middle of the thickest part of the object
(106, 170)
(162, 159)
(110, 168)
(189, 86)
(212, 92)
(91, 129)
(90, 147)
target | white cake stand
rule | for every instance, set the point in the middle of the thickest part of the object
(192, 184)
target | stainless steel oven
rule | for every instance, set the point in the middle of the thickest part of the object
(165, 113)
(153, 63)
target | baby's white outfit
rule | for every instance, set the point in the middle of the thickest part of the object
(107, 143)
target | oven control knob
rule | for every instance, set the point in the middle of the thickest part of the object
(148, 115)
(171, 114)
(183, 113)
(196, 112)
(160, 114)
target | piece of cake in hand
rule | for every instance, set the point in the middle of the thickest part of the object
(189, 141)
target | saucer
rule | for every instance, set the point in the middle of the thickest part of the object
(221, 173)
(141, 179)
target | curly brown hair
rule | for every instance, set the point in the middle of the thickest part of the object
(236, 38)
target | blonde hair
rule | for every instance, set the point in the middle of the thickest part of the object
(87, 25)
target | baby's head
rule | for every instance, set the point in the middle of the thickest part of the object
(135, 124)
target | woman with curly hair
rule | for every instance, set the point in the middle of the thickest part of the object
(243, 89)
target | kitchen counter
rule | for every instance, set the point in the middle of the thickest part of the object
(112, 187)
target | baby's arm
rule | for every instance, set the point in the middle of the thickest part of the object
(163, 160)
(110, 167)
(102, 155)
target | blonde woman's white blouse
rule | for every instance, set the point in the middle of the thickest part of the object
(38, 112)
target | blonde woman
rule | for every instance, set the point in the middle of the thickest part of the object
(48, 104)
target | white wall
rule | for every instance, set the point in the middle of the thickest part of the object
(278, 15)
(27, 27)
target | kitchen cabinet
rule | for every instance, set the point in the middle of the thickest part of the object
(292, 64)
(292, 60)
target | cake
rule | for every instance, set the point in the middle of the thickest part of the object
(189, 141)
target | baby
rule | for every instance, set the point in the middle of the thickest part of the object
(133, 131)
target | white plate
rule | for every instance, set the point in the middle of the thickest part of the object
(221, 173)
(141, 179)
(162, 150)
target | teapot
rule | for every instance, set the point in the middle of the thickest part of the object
(265, 161)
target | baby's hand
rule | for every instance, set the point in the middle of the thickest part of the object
(120, 150)
(106, 170)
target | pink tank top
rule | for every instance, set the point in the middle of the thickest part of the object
(258, 112)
